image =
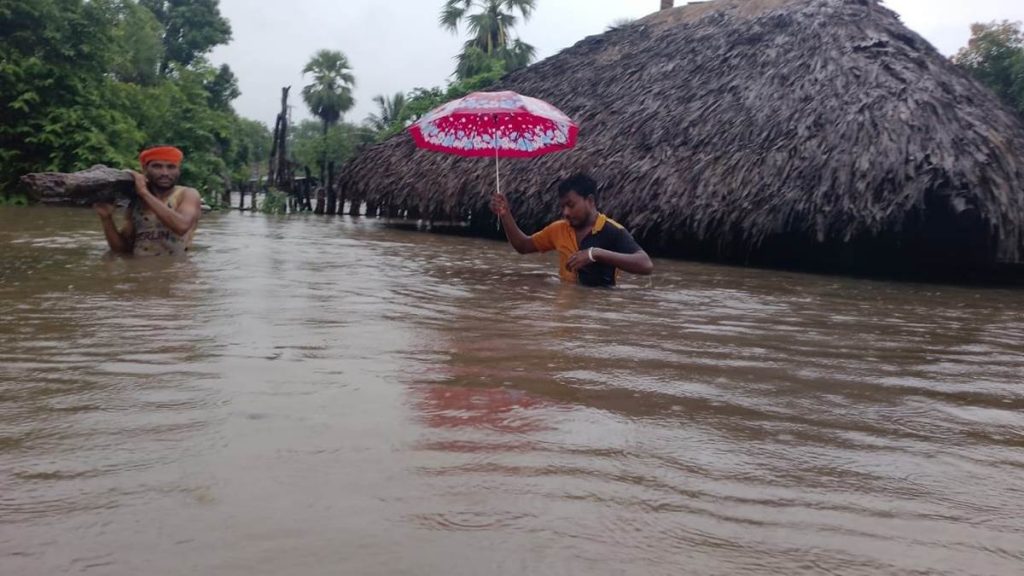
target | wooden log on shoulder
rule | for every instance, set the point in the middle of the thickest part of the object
(84, 188)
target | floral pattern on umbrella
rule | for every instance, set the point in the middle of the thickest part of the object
(503, 124)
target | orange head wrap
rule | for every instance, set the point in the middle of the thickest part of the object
(162, 154)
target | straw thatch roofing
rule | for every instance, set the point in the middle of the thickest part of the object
(766, 131)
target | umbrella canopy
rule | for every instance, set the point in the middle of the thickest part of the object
(501, 124)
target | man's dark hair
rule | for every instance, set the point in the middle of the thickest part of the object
(579, 183)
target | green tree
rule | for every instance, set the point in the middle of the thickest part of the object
(191, 29)
(421, 100)
(79, 86)
(139, 48)
(473, 62)
(177, 112)
(343, 141)
(309, 145)
(484, 78)
(391, 110)
(250, 147)
(995, 56)
(490, 24)
(54, 87)
(329, 96)
(222, 88)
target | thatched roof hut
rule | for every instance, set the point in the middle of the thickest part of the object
(807, 132)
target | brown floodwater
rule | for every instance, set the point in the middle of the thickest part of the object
(310, 395)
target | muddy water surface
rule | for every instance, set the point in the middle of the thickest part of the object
(327, 396)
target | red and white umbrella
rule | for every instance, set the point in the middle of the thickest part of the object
(498, 124)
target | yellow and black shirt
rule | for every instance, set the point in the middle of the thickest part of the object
(606, 233)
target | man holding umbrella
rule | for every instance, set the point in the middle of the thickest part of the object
(592, 248)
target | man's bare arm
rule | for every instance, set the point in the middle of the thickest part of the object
(516, 237)
(123, 240)
(635, 263)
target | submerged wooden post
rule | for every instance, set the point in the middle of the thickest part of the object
(272, 161)
(278, 173)
(321, 199)
(332, 198)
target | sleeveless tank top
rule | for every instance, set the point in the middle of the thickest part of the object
(152, 238)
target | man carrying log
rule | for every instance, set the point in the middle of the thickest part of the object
(592, 247)
(163, 216)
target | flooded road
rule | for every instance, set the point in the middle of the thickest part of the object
(317, 396)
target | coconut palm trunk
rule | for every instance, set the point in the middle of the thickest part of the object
(327, 176)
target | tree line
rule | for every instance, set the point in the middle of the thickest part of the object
(87, 82)
(491, 50)
(93, 81)
(995, 56)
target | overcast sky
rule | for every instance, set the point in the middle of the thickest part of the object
(396, 45)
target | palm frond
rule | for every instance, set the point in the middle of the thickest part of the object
(452, 14)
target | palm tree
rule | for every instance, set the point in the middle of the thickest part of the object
(328, 97)
(519, 55)
(330, 94)
(391, 110)
(490, 30)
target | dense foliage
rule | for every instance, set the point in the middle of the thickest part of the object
(309, 145)
(488, 54)
(89, 82)
(421, 100)
(490, 24)
(995, 56)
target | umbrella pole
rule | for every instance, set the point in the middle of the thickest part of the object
(497, 171)
(497, 167)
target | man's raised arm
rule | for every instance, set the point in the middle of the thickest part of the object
(179, 221)
(519, 240)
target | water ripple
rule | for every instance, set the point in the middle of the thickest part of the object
(303, 387)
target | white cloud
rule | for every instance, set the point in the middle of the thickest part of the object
(946, 23)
